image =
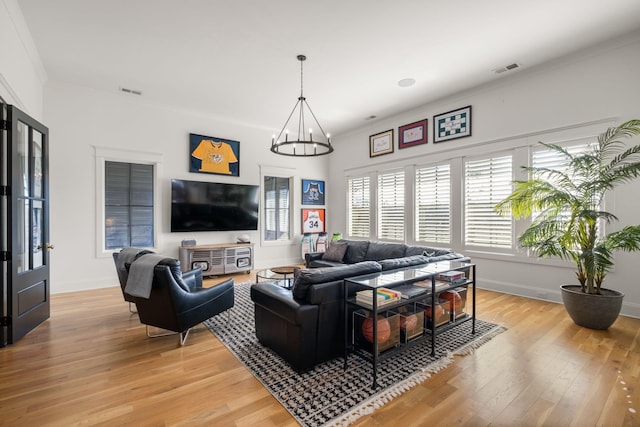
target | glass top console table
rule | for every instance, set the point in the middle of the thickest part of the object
(423, 285)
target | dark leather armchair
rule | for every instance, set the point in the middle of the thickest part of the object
(178, 302)
(128, 256)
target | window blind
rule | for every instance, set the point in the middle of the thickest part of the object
(359, 207)
(128, 205)
(391, 206)
(487, 182)
(277, 199)
(433, 204)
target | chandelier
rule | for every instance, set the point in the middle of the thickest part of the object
(297, 144)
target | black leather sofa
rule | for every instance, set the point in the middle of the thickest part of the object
(390, 256)
(305, 325)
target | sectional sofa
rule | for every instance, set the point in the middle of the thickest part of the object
(305, 324)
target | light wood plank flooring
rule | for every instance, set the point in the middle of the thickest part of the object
(91, 364)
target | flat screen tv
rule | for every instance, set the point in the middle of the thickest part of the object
(213, 206)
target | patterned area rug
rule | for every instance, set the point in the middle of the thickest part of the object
(328, 395)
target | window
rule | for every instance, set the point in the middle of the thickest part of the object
(128, 205)
(391, 206)
(359, 216)
(545, 158)
(487, 182)
(433, 204)
(277, 208)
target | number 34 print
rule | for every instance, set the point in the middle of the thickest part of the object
(313, 221)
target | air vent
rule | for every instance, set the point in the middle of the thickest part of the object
(131, 91)
(509, 67)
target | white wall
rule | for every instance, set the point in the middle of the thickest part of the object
(577, 96)
(80, 119)
(21, 72)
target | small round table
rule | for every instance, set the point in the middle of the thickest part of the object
(281, 275)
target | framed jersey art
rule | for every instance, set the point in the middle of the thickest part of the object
(214, 155)
(313, 221)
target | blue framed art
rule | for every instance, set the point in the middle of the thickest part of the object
(312, 192)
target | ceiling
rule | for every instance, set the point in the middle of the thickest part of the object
(236, 60)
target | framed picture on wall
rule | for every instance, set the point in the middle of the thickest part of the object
(312, 192)
(218, 156)
(381, 143)
(313, 221)
(412, 134)
(452, 124)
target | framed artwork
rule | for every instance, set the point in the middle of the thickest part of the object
(312, 221)
(219, 156)
(381, 143)
(452, 125)
(412, 134)
(312, 192)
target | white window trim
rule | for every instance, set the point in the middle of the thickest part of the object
(106, 154)
(296, 188)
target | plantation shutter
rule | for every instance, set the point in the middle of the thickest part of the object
(551, 159)
(128, 205)
(487, 182)
(359, 207)
(391, 206)
(276, 208)
(433, 204)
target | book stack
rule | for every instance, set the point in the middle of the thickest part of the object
(451, 276)
(440, 284)
(384, 296)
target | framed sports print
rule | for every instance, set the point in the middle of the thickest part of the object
(412, 134)
(452, 125)
(313, 221)
(381, 143)
(312, 192)
(214, 155)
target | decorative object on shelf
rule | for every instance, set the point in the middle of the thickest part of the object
(570, 217)
(313, 220)
(214, 155)
(336, 236)
(412, 134)
(384, 329)
(298, 145)
(381, 143)
(312, 192)
(452, 124)
(321, 243)
(307, 244)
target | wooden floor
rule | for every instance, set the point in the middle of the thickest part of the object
(92, 364)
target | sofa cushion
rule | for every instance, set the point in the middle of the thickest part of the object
(356, 250)
(407, 261)
(335, 252)
(379, 251)
(318, 263)
(307, 277)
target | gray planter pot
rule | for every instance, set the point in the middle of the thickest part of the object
(592, 311)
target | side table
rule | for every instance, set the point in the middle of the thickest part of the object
(283, 275)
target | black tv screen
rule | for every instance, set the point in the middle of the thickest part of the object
(212, 206)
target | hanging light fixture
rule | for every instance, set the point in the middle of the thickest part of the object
(297, 144)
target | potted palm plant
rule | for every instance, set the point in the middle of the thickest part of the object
(569, 222)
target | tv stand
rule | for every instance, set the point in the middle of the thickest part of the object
(217, 259)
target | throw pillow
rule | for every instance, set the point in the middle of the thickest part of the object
(429, 253)
(335, 252)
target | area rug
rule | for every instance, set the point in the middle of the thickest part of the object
(328, 395)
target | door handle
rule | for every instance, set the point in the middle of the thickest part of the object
(47, 246)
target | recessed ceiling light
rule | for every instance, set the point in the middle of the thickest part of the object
(407, 82)
(371, 117)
